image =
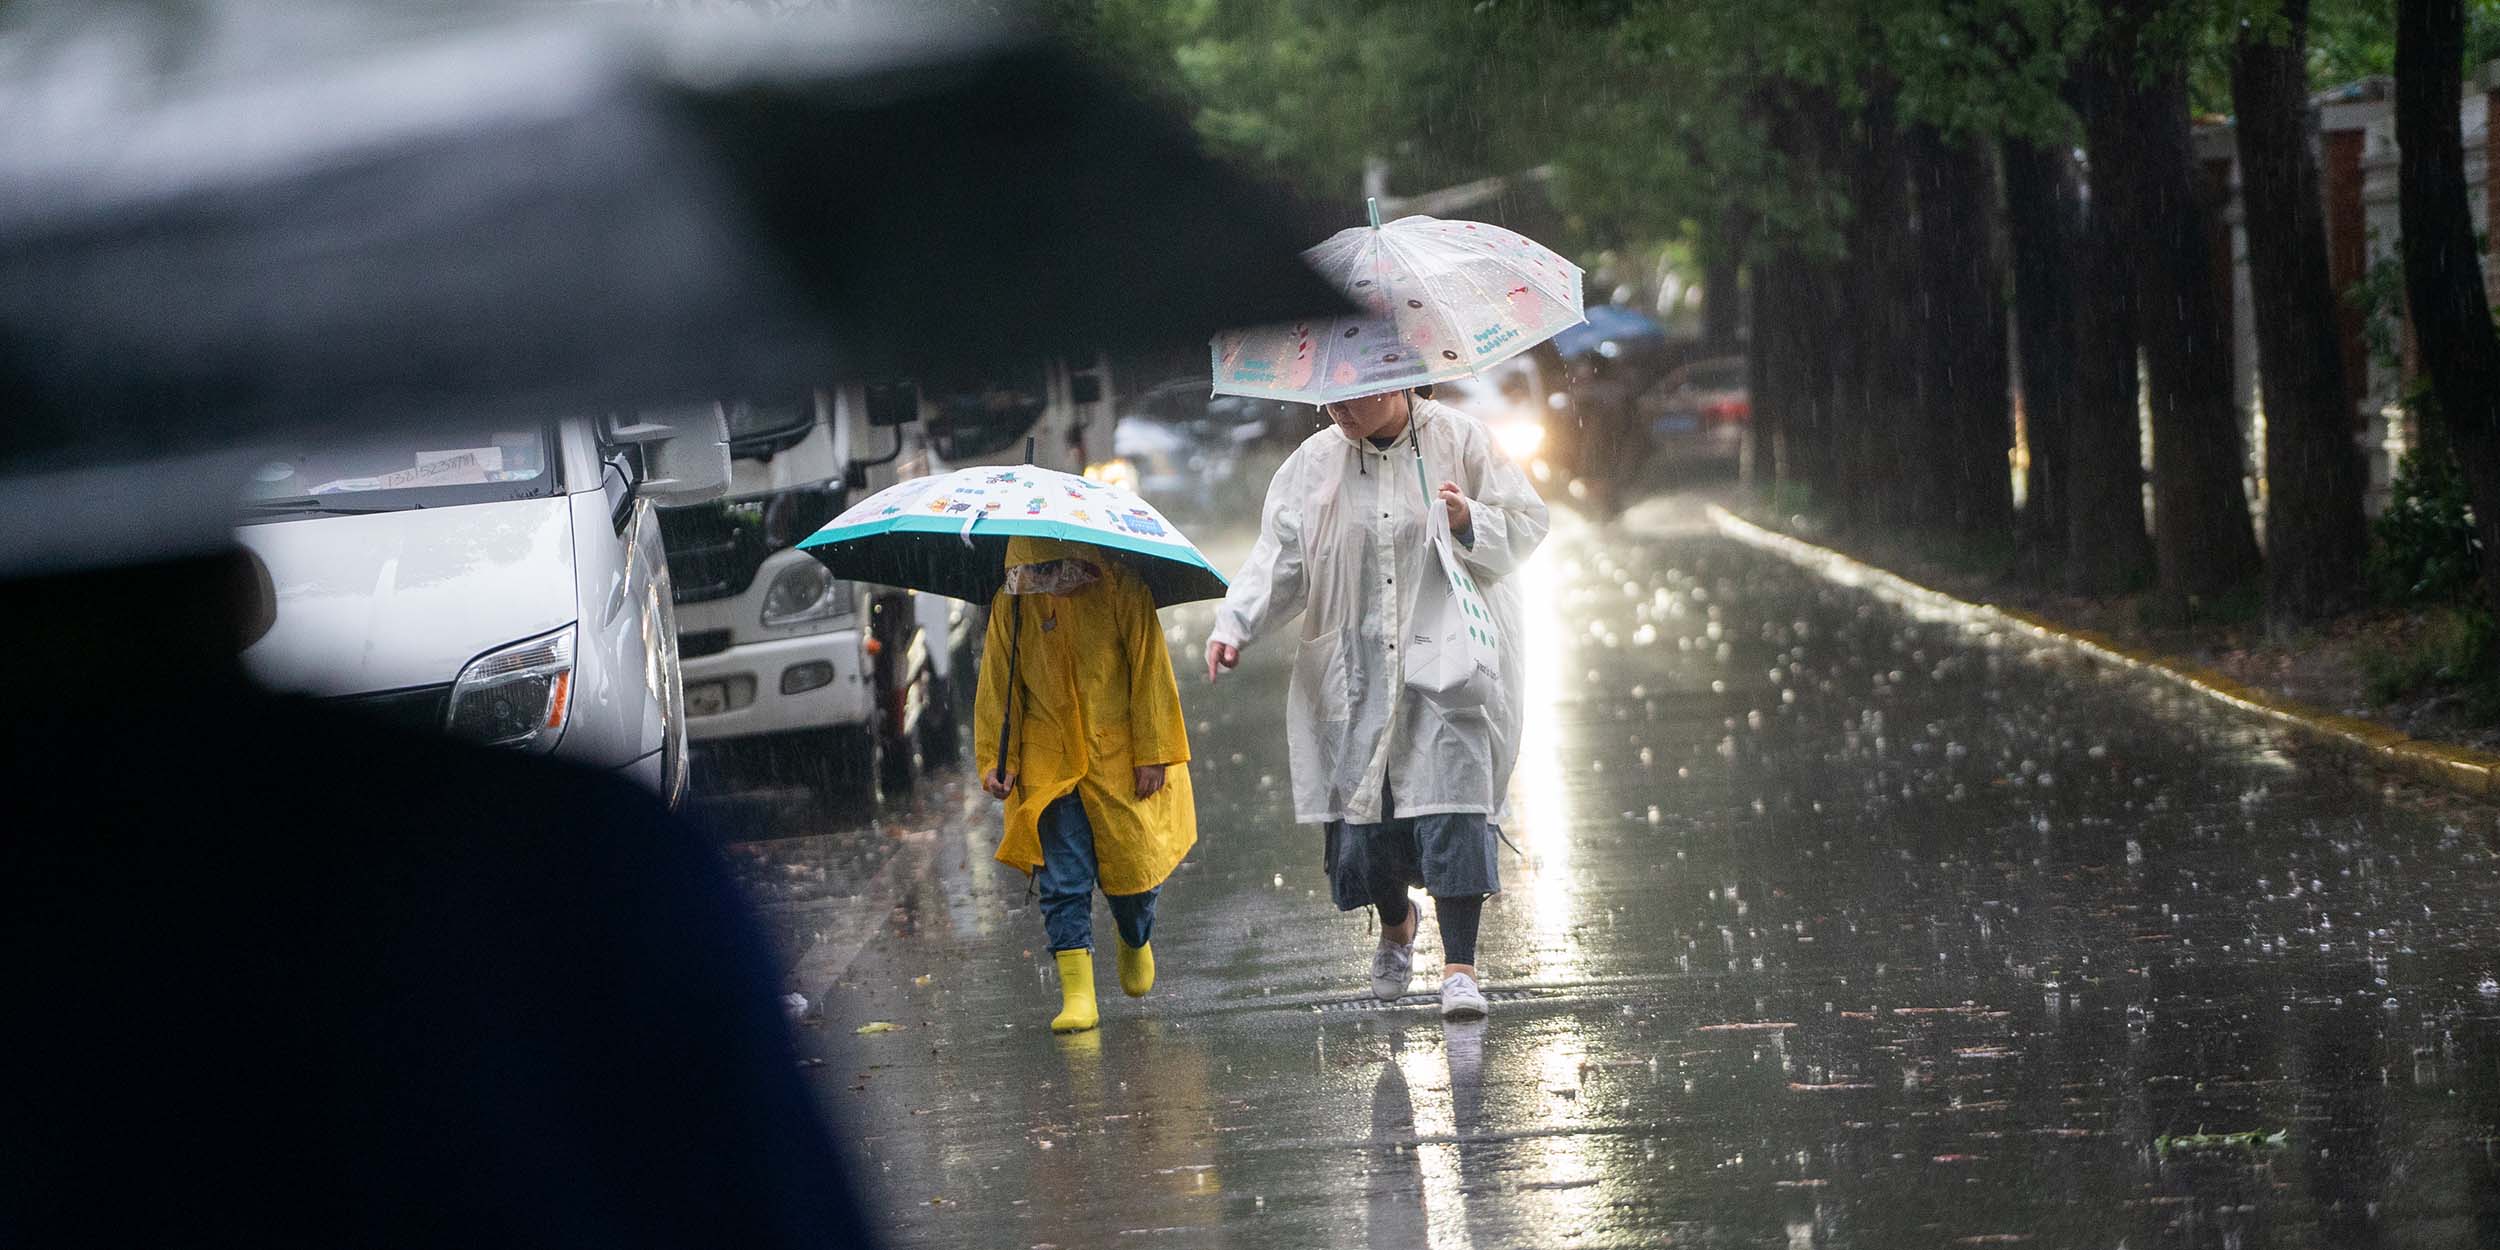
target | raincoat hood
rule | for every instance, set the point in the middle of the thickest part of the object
(1051, 566)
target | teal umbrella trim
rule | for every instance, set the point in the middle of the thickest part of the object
(1016, 527)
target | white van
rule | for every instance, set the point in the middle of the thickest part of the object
(504, 583)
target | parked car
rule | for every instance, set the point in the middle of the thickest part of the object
(1184, 448)
(1166, 463)
(1699, 412)
(503, 583)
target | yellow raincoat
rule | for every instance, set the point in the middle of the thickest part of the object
(1099, 701)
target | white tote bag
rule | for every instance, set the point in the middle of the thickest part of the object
(1453, 650)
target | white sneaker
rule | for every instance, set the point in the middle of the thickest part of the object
(1393, 970)
(1462, 999)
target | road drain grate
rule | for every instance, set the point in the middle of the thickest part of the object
(1422, 1000)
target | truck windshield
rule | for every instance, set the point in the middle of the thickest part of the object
(970, 420)
(759, 428)
(433, 468)
(714, 550)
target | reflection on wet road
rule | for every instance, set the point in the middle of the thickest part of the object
(1832, 926)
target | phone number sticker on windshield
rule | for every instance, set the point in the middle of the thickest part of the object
(470, 466)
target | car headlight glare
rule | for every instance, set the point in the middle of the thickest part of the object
(805, 592)
(1120, 472)
(1520, 440)
(517, 696)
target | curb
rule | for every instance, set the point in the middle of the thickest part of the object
(2460, 769)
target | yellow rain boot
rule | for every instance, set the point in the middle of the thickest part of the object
(1077, 1012)
(1137, 969)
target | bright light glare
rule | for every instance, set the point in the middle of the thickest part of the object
(1520, 440)
(1118, 473)
(1542, 805)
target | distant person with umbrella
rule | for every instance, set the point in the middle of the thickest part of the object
(1608, 362)
(1408, 782)
(1078, 718)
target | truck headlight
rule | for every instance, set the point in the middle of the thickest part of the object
(803, 593)
(516, 696)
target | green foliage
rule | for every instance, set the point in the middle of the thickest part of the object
(2458, 650)
(2379, 296)
(1985, 69)
(2354, 39)
(2423, 548)
(2424, 555)
(1656, 117)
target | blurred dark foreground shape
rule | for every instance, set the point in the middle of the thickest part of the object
(278, 976)
(220, 219)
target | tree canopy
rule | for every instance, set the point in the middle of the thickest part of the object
(1655, 116)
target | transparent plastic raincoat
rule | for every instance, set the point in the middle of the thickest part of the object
(1343, 544)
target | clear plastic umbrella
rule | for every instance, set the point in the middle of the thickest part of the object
(1439, 299)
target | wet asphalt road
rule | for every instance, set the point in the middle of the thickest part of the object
(1833, 927)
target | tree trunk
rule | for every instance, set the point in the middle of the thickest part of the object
(1813, 426)
(1964, 385)
(1813, 441)
(1926, 432)
(2107, 550)
(1766, 376)
(1722, 295)
(2204, 541)
(2041, 199)
(1791, 381)
(2314, 531)
(1880, 394)
(2443, 268)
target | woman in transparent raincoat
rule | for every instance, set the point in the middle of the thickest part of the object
(1409, 791)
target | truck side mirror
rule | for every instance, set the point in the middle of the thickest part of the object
(890, 404)
(685, 452)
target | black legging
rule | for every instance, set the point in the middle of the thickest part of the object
(1458, 917)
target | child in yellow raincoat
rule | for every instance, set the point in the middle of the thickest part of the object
(1096, 778)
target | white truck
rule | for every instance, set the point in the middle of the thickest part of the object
(793, 676)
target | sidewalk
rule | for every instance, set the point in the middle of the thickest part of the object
(2272, 681)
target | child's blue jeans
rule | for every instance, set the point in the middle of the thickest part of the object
(1066, 883)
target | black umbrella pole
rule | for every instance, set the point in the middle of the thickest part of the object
(1007, 705)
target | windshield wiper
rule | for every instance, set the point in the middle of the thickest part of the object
(290, 507)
